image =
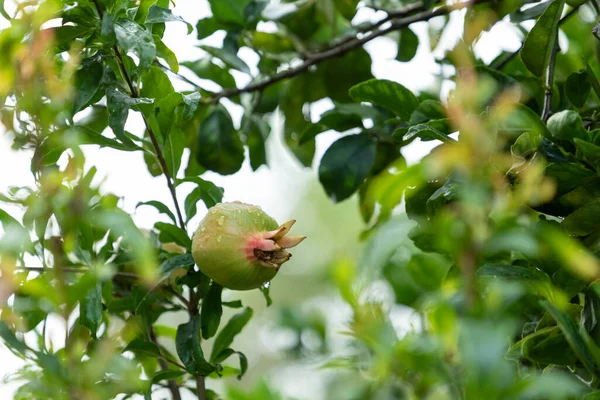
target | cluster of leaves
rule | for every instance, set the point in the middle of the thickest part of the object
(501, 264)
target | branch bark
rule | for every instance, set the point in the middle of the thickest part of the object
(407, 18)
(547, 109)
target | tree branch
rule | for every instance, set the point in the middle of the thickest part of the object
(342, 48)
(547, 109)
(155, 145)
(172, 384)
(124, 275)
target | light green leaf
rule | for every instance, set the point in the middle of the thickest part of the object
(540, 41)
(136, 39)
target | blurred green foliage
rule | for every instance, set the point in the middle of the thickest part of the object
(486, 289)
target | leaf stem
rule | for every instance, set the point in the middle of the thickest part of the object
(155, 145)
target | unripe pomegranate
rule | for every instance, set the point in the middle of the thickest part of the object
(240, 247)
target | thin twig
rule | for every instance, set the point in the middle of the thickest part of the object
(155, 145)
(547, 109)
(200, 388)
(163, 365)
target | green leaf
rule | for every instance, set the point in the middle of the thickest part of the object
(171, 233)
(175, 262)
(206, 191)
(590, 151)
(87, 82)
(230, 59)
(408, 43)
(577, 88)
(567, 125)
(387, 94)
(210, 316)
(158, 14)
(526, 144)
(11, 340)
(118, 105)
(161, 207)
(139, 345)
(346, 164)
(256, 138)
(540, 41)
(428, 270)
(593, 78)
(3, 11)
(229, 11)
(187, 343)
(167, 376)
(340, 121)
(429, 131)
(428, 110)
(220, 148)
(584, 220)
(569, 329)
(91, 309)
(136, 39)
(230, 331)
(508, 271)
(225, 354)
(206, 69)
(207, 26)
(162, 51)
(347, 8)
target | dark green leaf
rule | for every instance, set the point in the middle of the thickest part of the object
(584, 220)
(540, 41)
(233, 304)
(135, 38)
(220, 148)
(158, 14)
(387, 94)
(569, 329)
(593, 79)
(230, 59)
(118, 105)
(310, 132)
(11, 340)
(167, 376)
(508, 271)
(187, 343)
(256, 140)
(229, 11)
(171, 233)
(577, 88)
(91, 309)
(346, 164)
(340, 121)
(230, 331)
(87, 83)
(161, 207)
(206, 69)
(207, 26)
(210, 316)
(407, 45)
(428, 110)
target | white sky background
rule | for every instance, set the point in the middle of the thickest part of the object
(125, 173)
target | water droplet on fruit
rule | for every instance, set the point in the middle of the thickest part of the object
(218, 239)
(266, 285)
(213, 211)
(221, 220)
(202, 229)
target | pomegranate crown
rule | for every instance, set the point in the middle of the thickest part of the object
(269, 247)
